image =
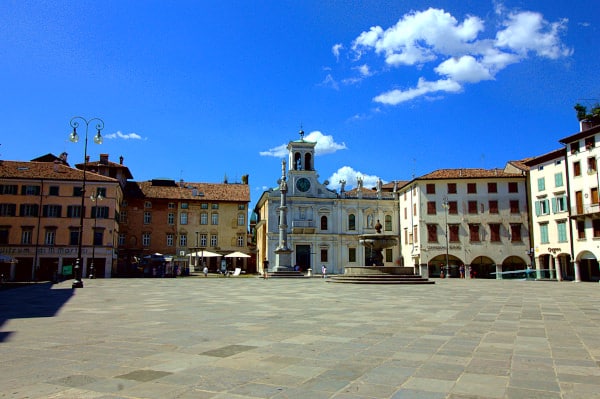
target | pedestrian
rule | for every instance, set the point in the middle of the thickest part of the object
(324, 271)
(265, 269)
(205, 271)
(462, 271)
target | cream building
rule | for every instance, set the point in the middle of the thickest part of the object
(474, 218)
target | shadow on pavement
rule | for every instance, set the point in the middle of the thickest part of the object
(35, 300)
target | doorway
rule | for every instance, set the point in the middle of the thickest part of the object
(303, 257)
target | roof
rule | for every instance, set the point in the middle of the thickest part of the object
(92, 165)
(47, 171)
(580, 135)
(467, 174)
(191, 191)
(552, 155)
(367, 193)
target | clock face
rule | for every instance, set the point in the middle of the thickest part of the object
(303, 184)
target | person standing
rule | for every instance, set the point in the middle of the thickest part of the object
(265, 269)
(205, 271)
(324, 271)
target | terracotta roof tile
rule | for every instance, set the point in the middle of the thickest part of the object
(466, 174)
(204, 191)
(46, 170)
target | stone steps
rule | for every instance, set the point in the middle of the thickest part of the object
(379, 279)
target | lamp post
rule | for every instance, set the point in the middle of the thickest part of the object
(94, 198)
(74, 137)
(446, 206)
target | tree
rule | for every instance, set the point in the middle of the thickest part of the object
(583, 115)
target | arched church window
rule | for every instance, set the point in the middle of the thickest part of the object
(323, 222)
(351, 222)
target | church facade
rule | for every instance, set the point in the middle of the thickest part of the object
(317, 226)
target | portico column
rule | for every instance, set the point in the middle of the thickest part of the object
(577, 271)
(498, 272)
(558, 268)
(552, 267)
(424, 270)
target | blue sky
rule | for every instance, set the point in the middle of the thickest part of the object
(200, 90)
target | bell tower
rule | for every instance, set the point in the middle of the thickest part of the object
(301, 166)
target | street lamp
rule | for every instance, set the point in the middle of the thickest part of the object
(94, 199)
(446, 206)
(74, 137)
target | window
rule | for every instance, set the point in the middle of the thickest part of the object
(493, 204)
(388, 223)
(171, 205)
(147, 217)
(514, 206)
(123, 217)
(214, 240)
(594, 195)
(204, 205)
(183, 218)
(146, 239)
(558, 180)
(204, 218)
(580, 230)
(415, 235)
(203, 240)
(431, 208)
(474, 233)
(214, 218)
(74, 237)
(453, 233)
(100, 212)
(240, 240)
(323, 255)
(472, 207)
(542, 207)
(184, 205)
(98, 236)
(77, 191)
(26, 235)
(124, 204)
(30, 190)
(562, 231)
(241, 207)
(351, 222)
(451, 188)
(214, 206)
(544, 233)
(590, 142)
(28, 210)
(591, 164)
(515, 232)
(596, 227)
(453, 208)
(9, 189)
(432, 233)
(406, 236)
(513, 187)
(541, 182)
(3, 235)
(121, 240)
(351, 254)
(471, 188)
(241, 219)
(576, 168)
(74, 211)
(53, 191)
(559, 204)
(430, 188)
(8, 210)
(494, 232)
(405, 213)
(147, 204)
(170, 218)
(414, 209)
(323, 222)
(183, 240)
(101, 192)
(492, 187)
(51, 211)
(575, 147)
(170, 239)
(50, 237)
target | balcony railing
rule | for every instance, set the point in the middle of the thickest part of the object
(585, 209)
(303, 223)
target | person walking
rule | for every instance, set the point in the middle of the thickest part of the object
(324, 271)
(205, 271)
(265, 269)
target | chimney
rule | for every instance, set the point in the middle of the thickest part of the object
(180, 183)
(104, 159)
(121, 160)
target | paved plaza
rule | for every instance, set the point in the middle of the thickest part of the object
(287, 338)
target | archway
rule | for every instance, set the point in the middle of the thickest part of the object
(436, 264)
(513, 263)
(588, 266)
(482, 267)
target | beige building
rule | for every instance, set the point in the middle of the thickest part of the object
(40, 215)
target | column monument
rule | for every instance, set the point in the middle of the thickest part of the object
(283, 254)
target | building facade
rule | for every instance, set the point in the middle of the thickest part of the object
(474, 219)
(40, 215)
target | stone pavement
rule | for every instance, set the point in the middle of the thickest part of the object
(253, 338)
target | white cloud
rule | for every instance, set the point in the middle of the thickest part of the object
(335, 49)
(424, 87)
(329, 81)
(456, 50)
(325, 145)
(350, 175)
(119, 135)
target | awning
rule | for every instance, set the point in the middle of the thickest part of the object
(205, 254)
(237, 254)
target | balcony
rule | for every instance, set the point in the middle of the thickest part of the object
(585, 209)
(303, 226)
